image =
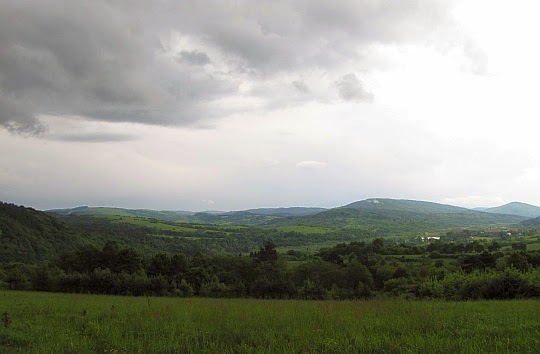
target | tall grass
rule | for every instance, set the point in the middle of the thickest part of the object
(57, 323)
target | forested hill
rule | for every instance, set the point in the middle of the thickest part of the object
(30, 235)
(384, 217)
(414, 206)
(250, 216)
(166, 215)
(290, 211)
(531, 222)
(516, 208)
(242, 217)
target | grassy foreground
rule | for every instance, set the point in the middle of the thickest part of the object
(59, 323)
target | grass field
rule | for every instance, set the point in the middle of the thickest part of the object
(533, 246)
(154, 224)
(62, 323)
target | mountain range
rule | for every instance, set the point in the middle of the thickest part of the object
(396, 216)
(359, 212)
(246, 217)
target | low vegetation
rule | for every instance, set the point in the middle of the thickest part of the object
(60, 323)
(346, 271)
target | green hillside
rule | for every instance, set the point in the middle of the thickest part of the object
(516, 208)
(415, 206)
(291, 211)
(165, 215)
(242, 217)
(376, 217)
(230, 218)
(382, 217)
(531, 222)
(30, 235)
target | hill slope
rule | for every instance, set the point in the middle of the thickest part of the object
(290, 211)
(415, 206)
(382, 217)
(243, 217)
(30, 235)
(516, 208)
(531, 222)
(165, 215)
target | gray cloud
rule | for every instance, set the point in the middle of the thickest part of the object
(103, 65)
(300, 86)
(92, 137)
(16, 119)
(272, 36)
(350, 88)
(193, 57)
(115, 61)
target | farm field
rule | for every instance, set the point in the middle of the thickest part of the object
(533, 246)
(146, 223)
(48, 322)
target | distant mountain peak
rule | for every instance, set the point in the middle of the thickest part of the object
(520, 203)
(405, 205)
(516, 208)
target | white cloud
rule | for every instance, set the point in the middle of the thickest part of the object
(350, 88)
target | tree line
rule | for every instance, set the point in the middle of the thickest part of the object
(346, 271)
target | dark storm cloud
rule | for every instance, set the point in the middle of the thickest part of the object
(111, 61)
(350, 88)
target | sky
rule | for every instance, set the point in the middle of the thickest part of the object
(229, 105)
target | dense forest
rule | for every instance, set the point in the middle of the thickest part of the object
(346, 271)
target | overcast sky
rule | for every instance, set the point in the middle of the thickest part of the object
(229, 105)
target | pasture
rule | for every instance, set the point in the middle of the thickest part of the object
(55, 323)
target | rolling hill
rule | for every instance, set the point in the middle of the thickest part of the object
(244, 217)
(290, 211)
(535, 222)
(164, 215)
(516, 208)
(415, 206)
(30, 235)
(380, 215)
(383, 217)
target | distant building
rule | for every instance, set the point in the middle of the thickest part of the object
(431, 238)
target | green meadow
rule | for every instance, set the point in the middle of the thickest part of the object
(305, 229)
(74, 323)
(145, 222)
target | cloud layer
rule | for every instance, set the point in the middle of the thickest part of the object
(185, 63)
